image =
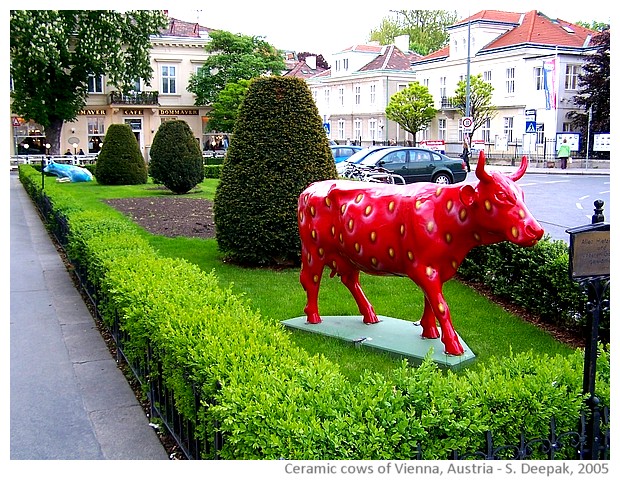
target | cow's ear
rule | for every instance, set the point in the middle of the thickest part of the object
(467, 195)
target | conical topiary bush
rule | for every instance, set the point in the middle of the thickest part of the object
(278, 148)
(120, 161)
(176, 158)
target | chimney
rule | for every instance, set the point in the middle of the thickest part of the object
(402, 43)
(311, 61)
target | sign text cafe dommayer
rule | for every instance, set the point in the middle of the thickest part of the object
(175, 55)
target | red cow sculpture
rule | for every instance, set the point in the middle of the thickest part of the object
(421, 230)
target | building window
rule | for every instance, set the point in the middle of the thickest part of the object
(345, 64)
(373, 94)
(168, 79)
(425, 82)
(540, 133)
(442, 123)
(357, 129)
(486, 76)
(326, 94)
(341, 96)
(572, 77)
(96, 132)
(95, 84)
(442, 87)
(486, 131)
(358, 94)
(567, 127)
(508, 122)
(510, 80)
(539, 80)
(372, 128)
(136, 85)
(341, 130)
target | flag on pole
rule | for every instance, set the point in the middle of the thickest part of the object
(549, 81)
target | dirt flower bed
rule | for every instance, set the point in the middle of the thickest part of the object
(170, 216)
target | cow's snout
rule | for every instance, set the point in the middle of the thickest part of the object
(532, 233)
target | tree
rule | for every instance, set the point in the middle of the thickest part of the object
(412, 108)
(594, 89)
(320, 61)
(223, 116)
(176, 158)
(54, 52)
(278, 148)
(480, 96)
(234, 57)
(120, 161)
(427, 29)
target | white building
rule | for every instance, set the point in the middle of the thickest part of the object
(352, 95)
(533, 63)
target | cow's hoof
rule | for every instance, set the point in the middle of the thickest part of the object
(370, 319)
(430, 334)
(455, 350)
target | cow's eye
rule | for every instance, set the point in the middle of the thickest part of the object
(503, 197)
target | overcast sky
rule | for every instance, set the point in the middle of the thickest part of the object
(328, 26)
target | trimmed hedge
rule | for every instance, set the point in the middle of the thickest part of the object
(273, 400)
(534, 278)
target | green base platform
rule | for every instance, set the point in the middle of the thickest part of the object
(391, 335)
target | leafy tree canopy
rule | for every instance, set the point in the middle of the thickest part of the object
(595, 89)
(320, 61)
(53, 53)
(234, 57)
(480, 96)
(225, 109)
(412, 108)
(427, 29)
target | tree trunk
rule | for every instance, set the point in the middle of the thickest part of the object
(52, 135)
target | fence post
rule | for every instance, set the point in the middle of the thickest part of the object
(589, 258)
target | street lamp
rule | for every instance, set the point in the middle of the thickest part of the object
(47, 151)
(25, 145)
(75, 145)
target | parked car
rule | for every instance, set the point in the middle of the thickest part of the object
(342, 152)
(416, 164)
(358, 156)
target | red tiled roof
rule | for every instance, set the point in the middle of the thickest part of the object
(179, 28)
(493, 16)
(364, 49)
(537, 28)
(391, 59)
(532, 27)
(302, 70)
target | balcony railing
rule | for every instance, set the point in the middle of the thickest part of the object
(447, 103)
(135, 98)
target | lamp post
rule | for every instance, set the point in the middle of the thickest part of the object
(25, 145)
(75, 145)
(47, 152)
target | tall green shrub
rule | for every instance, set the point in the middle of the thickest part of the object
(120, 161)
(176, 158)
(278, 148)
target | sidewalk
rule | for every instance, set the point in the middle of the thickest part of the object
(69, 400)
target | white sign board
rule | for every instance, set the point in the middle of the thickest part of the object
(602, 142)
(501, 143)
(571, 138)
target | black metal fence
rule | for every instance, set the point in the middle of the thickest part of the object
(574, 445)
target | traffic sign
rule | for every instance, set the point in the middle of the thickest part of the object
(530, 127)
(468, 123)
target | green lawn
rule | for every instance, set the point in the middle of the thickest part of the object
(487, 328)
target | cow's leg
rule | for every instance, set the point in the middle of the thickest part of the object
(428, 322)
(310, 278)
(351, 279)
(432, 289)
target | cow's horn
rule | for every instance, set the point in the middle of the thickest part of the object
(522, 168)
(481, 173)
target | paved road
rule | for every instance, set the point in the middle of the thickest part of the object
(68, 398)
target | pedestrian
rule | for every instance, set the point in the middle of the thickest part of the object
(564, 153)
(465, 155)
(225, 143)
